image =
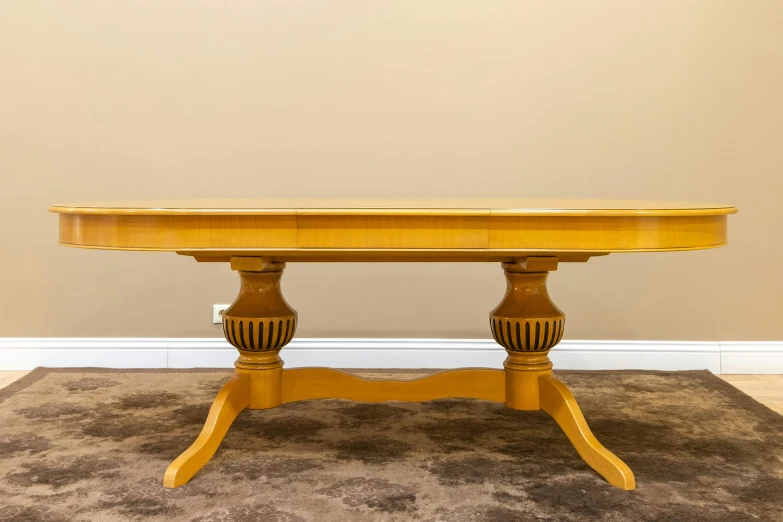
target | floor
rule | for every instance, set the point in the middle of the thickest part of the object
(7, 377)
(767, 389)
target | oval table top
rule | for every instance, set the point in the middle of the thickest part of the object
(512, 207)
(393, 229)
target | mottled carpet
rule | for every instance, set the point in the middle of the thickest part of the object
(93, 445)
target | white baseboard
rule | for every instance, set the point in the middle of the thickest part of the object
(752, 357)
(718, 357)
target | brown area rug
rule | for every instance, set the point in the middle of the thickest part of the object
(93, 445)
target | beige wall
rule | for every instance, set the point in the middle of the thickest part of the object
(638, 99)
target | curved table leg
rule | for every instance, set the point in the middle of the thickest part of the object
(558, 401)
(528, 324)
(259, 323)
(230, 401)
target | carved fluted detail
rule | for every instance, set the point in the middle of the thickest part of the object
(260, 319)
(526, 320)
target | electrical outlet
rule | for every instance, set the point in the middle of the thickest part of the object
(217, 313)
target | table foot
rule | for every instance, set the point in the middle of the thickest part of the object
(558, 401)
(230, 401)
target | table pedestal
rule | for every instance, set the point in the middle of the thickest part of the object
(526, 323)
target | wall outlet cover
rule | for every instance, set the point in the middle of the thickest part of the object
(217, 313)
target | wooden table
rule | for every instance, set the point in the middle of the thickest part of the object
(528, 237)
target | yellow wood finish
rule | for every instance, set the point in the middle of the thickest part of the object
(177, 232)
(265, 372)
(323, 383)
(560, 404)
(395, 207)
(262, 388)
(610, 234)
(359, 230)
(539, 385)
(259, 323)
(349, 237)
(529, 237)
(522, 373)
(526, 323)
(383, 232)
(231, 400)
(325, 255)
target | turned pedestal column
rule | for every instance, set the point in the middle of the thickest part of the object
(527, 324)
(259, 323)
